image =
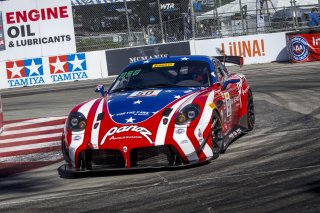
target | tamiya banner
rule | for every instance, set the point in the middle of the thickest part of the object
(303, 47)
(35, 28)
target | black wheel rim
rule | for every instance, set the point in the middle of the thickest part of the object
(217, 139)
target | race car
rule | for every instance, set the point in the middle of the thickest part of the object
(164, 112)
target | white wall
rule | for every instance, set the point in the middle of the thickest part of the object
(261, 48)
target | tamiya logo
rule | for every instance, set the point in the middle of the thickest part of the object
(25, 72)
(299, 49)
(68, 67)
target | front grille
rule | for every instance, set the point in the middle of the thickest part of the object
(158, 156)
(101, 158)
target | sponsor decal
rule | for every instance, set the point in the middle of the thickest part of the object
(212, 105)
(228, 103)
(298, 48)
(135, 113)
(235, 133)
(25, 72)
(145, 93)
(117, 130)
(163, 65)
(68, 67)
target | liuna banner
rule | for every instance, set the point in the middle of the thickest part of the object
(303, 46)
(35, 28)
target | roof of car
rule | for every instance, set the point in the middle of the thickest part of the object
(173, 59)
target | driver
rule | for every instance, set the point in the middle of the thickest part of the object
(198, 74)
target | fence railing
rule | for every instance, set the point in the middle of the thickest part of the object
(140, 22)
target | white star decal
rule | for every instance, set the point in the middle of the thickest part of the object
(111, 115)
(188, 91)
(184, 59)
(177, 96)
(155, 112)
(15, 70)
(58, 66)
(169, 91)
(109, 101)
(214, 75)
(34, 69)
(76, 63)
(146, 62)
(137, 102)
(130, 120)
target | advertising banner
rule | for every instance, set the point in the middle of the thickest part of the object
(50, 70)
(118, 59)
(303, 47)
(35, 28)
(261, 48)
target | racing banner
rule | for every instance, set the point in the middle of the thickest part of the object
(118, 59)
(35, 28)
(303, 46)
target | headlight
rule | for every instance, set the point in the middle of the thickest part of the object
(187, 114)
(77, 121)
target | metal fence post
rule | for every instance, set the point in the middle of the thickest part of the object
(192, 19)
(160, 21)
(241, 14)
(128, 21)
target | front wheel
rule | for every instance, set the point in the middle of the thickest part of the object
(217, 135)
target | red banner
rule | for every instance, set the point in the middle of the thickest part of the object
(303, 47)
(1, 115)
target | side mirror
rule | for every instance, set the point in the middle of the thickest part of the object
(229, 81)
(100, 88)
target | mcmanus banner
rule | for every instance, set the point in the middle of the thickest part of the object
(118, 59)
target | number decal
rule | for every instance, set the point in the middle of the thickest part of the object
(145, 93)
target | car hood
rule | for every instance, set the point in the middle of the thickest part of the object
(137, 106)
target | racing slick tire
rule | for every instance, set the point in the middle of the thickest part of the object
(250, 112)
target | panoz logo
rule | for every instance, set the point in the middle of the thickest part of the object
(25, 72)
(299, 49)
(115, 130)
(68, 67)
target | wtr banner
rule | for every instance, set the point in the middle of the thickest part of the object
(35, 28)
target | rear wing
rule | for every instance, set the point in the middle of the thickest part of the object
(230, 59)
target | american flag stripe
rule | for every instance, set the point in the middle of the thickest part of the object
(30, 143)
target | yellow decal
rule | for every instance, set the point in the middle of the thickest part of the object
(212, 105)
(162, 65)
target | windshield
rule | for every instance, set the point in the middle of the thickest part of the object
(168, 74)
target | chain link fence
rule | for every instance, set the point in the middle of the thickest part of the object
(106, 24)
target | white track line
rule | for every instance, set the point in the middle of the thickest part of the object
(31, 146)
(33, 121)
(38, 129)
(12, 140)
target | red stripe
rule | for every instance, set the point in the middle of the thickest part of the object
(35, 133)
(35, 125)
(31, 151)
(35, 141)
(7, 169)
